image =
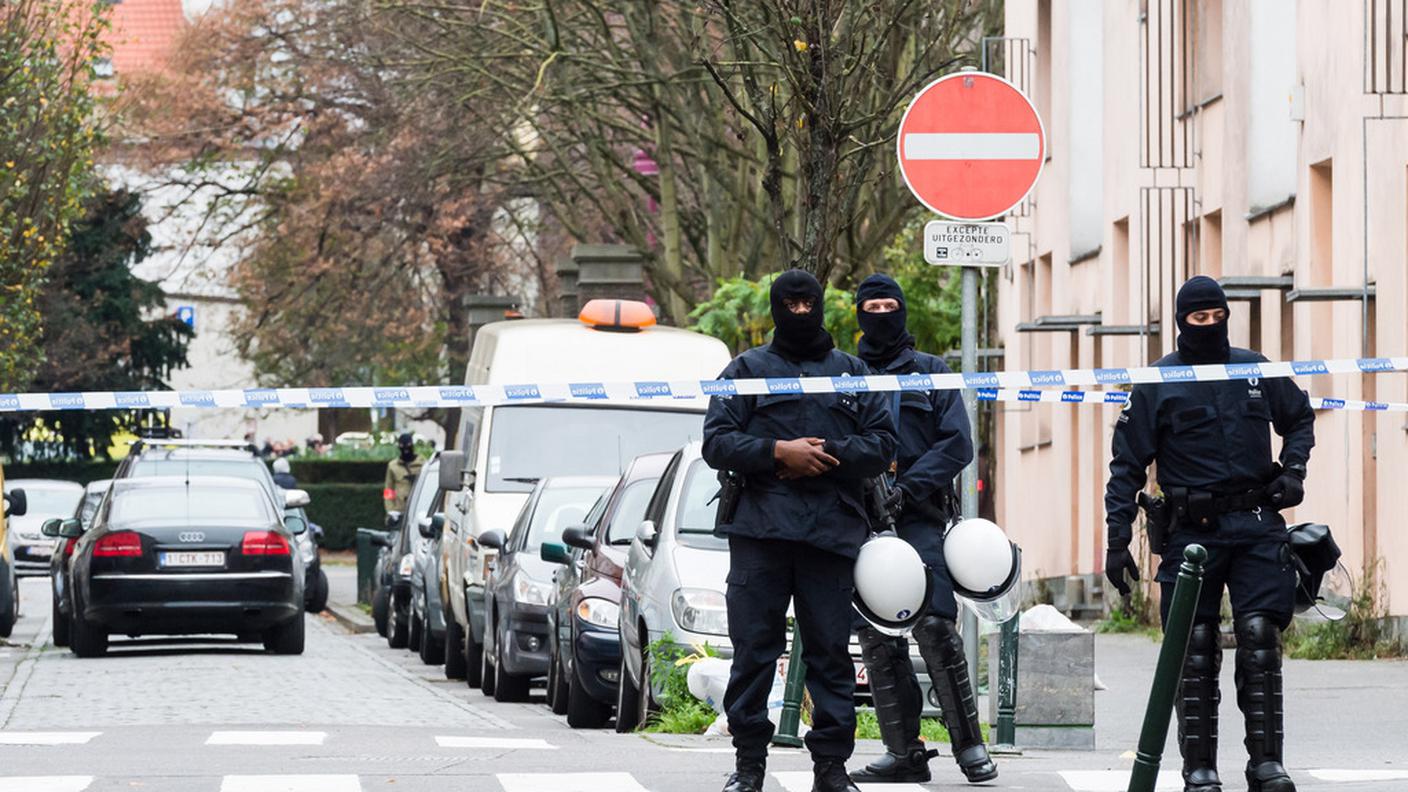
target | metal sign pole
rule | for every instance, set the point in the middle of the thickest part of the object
(969, 479)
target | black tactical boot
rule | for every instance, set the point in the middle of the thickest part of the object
(748, 777)
(942, 649)
(897, 711)
(1197, 701)
(829, 775)
(1259, 697)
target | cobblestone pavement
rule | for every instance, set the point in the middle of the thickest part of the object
(352, 715)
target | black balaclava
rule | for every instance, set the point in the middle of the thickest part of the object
(1202, 343)
(799, 337)
(883, 335)
(408, 447)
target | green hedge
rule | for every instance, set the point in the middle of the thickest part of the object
(330, 471)
(343, 508)
(82, 472)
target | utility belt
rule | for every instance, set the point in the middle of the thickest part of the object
(1181, 508)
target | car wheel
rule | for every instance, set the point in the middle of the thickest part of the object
(12, 613)
(507, 687)
(486, 668)
(557, 687)
(473, 659)
(627, 701)
(61, 625)
(413, 637)
(379, 612)
(646, 709)
(87, 639)
(583, 711)
(454, 649)
(432, 652)
(318, 599)
(286, 638)
(397, 630)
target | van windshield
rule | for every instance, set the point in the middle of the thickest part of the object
(532, 442)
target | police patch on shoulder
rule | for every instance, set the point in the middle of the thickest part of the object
(1124, 409)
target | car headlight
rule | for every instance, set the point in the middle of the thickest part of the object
(306, 548)
(408, 565)
(600, 612)
(529, 591)
(700, 611)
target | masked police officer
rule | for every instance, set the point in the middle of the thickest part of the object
(401, 474)
(1212, 443)
(934, 446)
(797, 526)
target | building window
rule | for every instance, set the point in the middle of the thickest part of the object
(1210, 245)
(102, 68)
(1206, 66)
(1043, 68)
(1322, 224)
(1118, 310)
(1086, 177)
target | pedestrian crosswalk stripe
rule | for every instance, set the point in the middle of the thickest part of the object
(801, 781)
(515, 743)
(46, 738)
(1359, 775)
(266, 738)
(291, 783)
(570, 782)
(1116, 780)
(45, 783)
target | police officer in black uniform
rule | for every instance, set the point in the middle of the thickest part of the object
(797, 527)
(934, 447)
(1221, 489)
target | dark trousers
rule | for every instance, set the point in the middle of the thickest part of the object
(764, 575)
(1258, 578)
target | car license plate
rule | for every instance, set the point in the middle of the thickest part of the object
(192, 559)
(862, 678)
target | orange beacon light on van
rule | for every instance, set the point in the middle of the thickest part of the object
(621, 316)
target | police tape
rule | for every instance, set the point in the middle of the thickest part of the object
(429, 396)
(1120, 398)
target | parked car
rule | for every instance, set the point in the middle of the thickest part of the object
(520, 586)
(505, 449)
(14, 506)
(585, 655)
(93, 495)
(183, 556)
(396, 561)
(315, 579)
(427, 607)
(47, 498)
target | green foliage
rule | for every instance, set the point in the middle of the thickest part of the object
(47, 136)
(739, 314)
(322, 470)
(103, 329)
(680, 712)
(340, 509)
(1360, 635)
(81, 472)
(930, 729)
(1124, 620)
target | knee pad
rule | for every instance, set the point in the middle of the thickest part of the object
(1204, 650)
(876, 647)
(1258, 643)
(940, 632)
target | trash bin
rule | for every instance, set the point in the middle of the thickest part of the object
(366, 564)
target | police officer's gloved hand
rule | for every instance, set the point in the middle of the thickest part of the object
(1287, 489)
(1118, 562)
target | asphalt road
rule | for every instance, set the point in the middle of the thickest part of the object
(351, 714)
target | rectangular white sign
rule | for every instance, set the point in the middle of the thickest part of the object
(967, 244)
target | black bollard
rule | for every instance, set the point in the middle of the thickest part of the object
(1169, 670)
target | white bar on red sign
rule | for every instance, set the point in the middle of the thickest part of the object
(972, 146)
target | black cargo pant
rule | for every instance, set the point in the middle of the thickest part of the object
(764, 575)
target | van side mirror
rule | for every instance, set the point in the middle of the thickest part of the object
(16, 503)
(72, 528)
(431, 527)
(554, 553)
(577, 536)
(492, 539)
(451, 475)
(647, 533)
(50, 528)
(296, 499)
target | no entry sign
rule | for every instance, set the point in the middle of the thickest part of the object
(971, 146)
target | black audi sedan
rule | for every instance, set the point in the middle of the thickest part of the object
(172, 555)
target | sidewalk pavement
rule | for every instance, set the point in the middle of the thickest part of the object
(342, 599)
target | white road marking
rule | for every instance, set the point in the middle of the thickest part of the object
(266, 738)
(291, 783)
(1359, 775)
(801, 781)
(569, 782)
(1116, 780)
(514, 743)
(46, 738)
(972, 146)
(45, 783)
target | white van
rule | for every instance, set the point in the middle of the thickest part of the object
(507, 448)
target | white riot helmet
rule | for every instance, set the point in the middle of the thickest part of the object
(986, 568)
(893, 585)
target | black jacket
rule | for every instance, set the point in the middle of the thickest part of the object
(826, 511)
(1209, 436)
(935, 444)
